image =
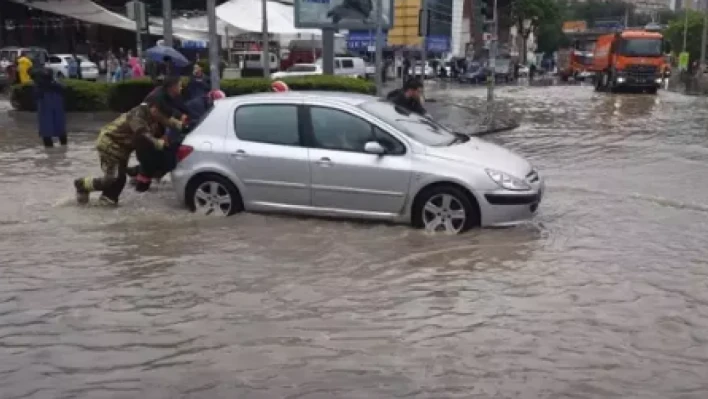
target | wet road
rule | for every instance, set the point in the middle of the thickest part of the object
(604, 295)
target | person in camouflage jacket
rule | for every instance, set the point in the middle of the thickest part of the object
(116, 142)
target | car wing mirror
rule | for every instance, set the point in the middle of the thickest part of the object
(374, 147)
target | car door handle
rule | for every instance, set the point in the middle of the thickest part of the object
(239, 154)
(324, 161)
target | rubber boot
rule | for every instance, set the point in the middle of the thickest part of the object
(48, 142)
(63, 140)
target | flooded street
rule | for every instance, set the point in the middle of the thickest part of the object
(604, 295)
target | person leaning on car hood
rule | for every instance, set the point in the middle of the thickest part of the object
(409, 97)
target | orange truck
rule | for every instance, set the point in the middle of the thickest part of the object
(631, 59)
(574, 63)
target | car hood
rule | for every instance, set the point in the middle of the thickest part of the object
(483, 154)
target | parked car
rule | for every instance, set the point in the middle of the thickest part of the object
(4, 78)
(476, 73)
(59, 64)
(298, 70)
(419, 70)
(349, 155)
(8, 55)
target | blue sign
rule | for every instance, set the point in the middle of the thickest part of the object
(438, 44)
(361, 40)
(609, 24)
(193, 44)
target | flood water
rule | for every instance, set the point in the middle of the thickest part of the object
(603, 295)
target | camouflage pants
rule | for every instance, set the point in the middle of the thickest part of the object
(113, 180)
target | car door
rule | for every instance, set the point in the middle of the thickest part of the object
(344, 177)
(267, 156)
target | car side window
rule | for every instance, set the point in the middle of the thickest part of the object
(267, 123)
(392, 145)
(54, 60)
(338, 130)
(347, 64)
(337, 64)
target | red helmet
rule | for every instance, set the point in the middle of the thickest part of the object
(279, 86)
(216, 95)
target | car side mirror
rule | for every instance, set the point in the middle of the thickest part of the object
(373, 147)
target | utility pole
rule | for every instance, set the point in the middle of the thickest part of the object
(685, 28)
(424, 52)
(493, 56)
(703, 39)
(167, 22)
(379, 47)
(214, 59)
(139, 13)
(266, 43)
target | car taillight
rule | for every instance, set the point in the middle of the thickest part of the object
(183, 152)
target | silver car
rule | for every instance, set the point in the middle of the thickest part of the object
(349, 155)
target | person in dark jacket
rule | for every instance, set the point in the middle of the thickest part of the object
(154, 163)
(409, 97)
(198, 85)
(49, 95)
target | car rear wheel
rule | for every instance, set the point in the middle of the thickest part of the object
(445, 209)
(213, 195)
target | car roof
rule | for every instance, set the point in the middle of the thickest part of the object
(354, 99)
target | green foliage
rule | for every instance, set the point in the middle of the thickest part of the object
(120, 97)
(536, 11)
(79, 96)
(674, 34)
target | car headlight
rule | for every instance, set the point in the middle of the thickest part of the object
(507, 181)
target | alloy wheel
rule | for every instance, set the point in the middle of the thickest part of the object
(212, 199)
(444, 213)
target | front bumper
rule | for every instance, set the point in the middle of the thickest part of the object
(641, 81)
(506, 208)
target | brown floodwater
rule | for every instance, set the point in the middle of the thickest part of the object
(603, 295)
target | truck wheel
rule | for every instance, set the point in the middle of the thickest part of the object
(600, 82)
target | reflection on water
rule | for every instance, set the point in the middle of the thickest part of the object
(602, 295)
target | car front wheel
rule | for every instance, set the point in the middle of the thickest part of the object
(445, 209)
(213, 195)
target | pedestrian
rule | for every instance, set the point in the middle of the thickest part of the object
(136, 70)
(72, 68)
(409, 97)
(51, 117)
(198, 85)
(77, 59)
(116, 142)
(24, 66)
(532, 71)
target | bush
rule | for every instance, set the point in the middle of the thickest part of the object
(79, 96)
(120, 97)
(125, 95)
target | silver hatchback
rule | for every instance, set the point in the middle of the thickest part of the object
(349, 155)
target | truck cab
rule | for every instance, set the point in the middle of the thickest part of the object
(629, 59)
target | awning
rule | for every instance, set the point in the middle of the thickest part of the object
(88, 11)
(246, 15)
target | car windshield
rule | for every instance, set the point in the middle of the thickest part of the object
(302, 68)
(641, 47)
(419, 128)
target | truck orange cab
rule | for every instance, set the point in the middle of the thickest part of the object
(630, 59)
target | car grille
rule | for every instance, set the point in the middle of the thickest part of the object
(532, 177)
(641, 71)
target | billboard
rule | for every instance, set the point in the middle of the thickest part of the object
(342, 14)
(574, 26)
(437, 43)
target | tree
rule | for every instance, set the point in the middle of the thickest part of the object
(674, 34)
(536, 12)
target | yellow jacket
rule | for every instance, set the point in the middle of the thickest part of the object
(24, 65)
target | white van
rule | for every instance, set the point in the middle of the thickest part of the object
(348, 66)
(252, 64)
